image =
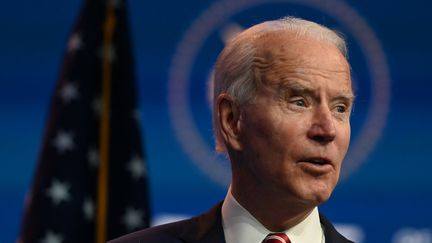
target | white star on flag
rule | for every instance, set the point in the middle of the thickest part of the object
(93, 157)
(58, 192)
(88, 209)
(75, 42)
(133, 218)
(69, 92)
(63, 141)
(136, 167)
(51, 237)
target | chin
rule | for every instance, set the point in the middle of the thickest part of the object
(318, 194)
(314, 199)
(322, 198)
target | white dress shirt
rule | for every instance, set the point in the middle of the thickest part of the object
(241, 227)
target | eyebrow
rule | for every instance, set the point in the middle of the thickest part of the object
(297, 88)
(293, 87)
(346, 96)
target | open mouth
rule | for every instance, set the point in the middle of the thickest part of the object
(318, 161)
(316, 165)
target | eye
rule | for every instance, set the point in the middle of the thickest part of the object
(341, 108)
(299, 102)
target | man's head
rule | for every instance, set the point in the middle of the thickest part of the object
(282, 104)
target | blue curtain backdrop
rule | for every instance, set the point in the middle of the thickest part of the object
(385, 194)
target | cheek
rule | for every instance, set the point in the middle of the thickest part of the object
(261, 130)
(271, 147)
(343, 141)
(292, 134)
(345, 137)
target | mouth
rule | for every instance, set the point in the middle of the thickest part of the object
(317, 161)
(316, 165)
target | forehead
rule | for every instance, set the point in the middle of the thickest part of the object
(283, 55)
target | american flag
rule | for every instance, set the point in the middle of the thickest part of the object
(91, 181)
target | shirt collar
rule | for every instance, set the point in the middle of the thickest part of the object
(241, 227)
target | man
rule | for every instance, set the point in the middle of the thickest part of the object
(282, 105)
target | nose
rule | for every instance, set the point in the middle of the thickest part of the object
(322, 129)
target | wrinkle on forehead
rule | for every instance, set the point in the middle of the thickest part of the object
(281, 55)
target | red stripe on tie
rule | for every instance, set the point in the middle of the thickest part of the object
(276, 238)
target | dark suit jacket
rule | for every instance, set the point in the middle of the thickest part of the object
(205, 228)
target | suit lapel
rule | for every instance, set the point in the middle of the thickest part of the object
(330, 233)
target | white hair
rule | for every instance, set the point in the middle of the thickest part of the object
(234, 69)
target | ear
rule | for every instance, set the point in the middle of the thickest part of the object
(228, 112)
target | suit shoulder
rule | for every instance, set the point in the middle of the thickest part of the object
(204, 228)
(167, 233)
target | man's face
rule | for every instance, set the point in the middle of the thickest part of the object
(295, 135)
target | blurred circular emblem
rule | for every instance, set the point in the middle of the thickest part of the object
(214, 20)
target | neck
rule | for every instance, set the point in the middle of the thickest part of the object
(277, 213)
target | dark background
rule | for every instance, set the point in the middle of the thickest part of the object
(388, 197)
